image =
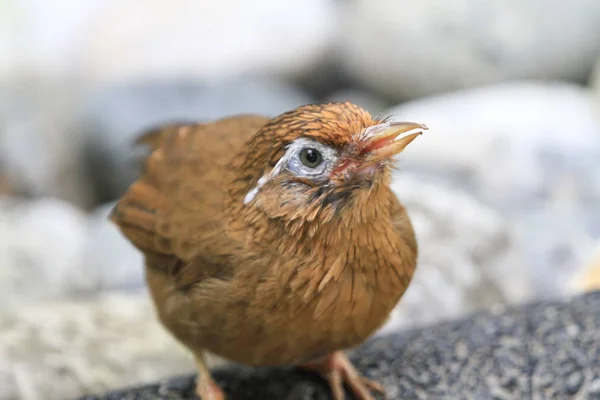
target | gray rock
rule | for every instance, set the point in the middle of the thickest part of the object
(41, 251)
(114, 117)
(469, 257)
(530, 150)
(39, 153)
(406, 50)
(547, 350)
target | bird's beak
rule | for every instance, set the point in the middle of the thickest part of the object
(383, 141)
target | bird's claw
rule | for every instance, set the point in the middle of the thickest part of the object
(337, 370)
(374, 386)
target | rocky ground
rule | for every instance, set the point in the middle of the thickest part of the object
(503, 189)
(547, 350)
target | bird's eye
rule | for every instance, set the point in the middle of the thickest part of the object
(310, 157)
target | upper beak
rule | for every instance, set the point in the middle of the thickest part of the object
(382, 141)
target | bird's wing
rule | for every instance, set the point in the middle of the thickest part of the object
(174, 211)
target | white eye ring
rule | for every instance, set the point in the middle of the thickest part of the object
(291, 162)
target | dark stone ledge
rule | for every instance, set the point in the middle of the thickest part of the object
(546, 350)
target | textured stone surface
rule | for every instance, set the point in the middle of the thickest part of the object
(408, 49)
(530, 150)
(540, 351)
(112, 118)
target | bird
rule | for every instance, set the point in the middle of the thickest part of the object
(274, 241)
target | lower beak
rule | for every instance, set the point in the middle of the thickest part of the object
(383, 141)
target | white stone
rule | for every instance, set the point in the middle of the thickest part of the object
(497, 136)
(41, 250)
(103, 40)
(407, 49)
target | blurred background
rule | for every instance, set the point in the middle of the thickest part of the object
(504, 190)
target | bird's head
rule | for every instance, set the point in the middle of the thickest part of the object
(318, 161)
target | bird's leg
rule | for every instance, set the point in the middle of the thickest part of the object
(206, 387)
(338, 369)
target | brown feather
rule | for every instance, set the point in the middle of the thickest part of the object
(302, 272)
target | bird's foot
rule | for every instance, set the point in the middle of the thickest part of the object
(207, 389)
(337, 370)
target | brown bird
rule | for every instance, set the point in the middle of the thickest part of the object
(274, 242)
